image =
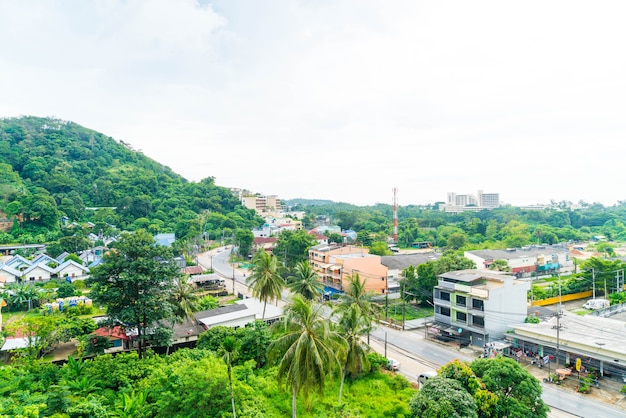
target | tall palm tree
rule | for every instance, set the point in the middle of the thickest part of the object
(305, 281)
(184, 298)
(353, 325)
(356, 294)
(306, 349)
(265, 281)
(229, 348)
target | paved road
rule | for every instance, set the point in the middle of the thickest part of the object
(417, 354)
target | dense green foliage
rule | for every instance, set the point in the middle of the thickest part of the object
(51, 168)
(184, 384)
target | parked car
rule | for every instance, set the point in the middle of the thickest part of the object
(393, 365)
(423, 377)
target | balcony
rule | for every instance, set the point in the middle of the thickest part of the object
(445, 285)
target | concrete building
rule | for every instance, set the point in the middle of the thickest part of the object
(334, 263)
(262, 204)
(598, 342)
(458, 203)
(478, 306)
(527, 261)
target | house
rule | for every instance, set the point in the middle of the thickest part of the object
(8, 274)
(239, 314)
(478, 306)
(72, 269)
(320, 238)
(118, 337)
(264, 243)
(165, 240)
(527, 261)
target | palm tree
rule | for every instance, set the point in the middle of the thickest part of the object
(306, 349)
(357, 295)
(352, 325)
(184, 298)
(305, 281)
(265, 281)
(229, 348)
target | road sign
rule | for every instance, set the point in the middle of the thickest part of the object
(546, 360)
(579, 363)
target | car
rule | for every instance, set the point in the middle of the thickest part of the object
(393, 365)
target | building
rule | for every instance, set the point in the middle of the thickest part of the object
(334, 263)
(262, 204)
(458, 203)
(397, 263)
(598, 342)
(478, 306)
(527, 261)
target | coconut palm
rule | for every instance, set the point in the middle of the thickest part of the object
(305, 281)
(306, 349)
(265, 281)
(183, 298)
(356, 294)
(353, 325)
(228, 349)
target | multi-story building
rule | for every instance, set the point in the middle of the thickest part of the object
(478, 306)
(335, 263)
(457, 203)
(527, 261)
(262, 204)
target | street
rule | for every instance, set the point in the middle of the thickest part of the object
(416, 354)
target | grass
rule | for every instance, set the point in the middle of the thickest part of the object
(394, 311)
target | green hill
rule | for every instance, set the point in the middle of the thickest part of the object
(51, 168)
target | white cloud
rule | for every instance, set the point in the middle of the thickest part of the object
(341, 100)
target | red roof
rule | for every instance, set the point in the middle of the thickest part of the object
(265, 240)
(115, 332)
(193, 270)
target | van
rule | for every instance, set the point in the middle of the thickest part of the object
(597, 304)
(423, 377)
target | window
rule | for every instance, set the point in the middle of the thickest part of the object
(461, 316)
(444, 296)
(478, 321)
(461, 300)
(478, 304)
(445, 311)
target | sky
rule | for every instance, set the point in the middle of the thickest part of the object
(340, 100)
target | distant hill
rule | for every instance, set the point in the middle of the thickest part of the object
(50, 168)
(306, 202)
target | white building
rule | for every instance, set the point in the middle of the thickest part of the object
(478, 306)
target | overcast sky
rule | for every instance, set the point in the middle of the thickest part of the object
(340, 100)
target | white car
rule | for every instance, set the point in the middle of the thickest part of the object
(393, 365)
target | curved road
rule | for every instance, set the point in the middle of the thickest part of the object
(418, 355)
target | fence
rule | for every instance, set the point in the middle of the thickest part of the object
(563, 298)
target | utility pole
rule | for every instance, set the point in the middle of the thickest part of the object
(593, 281)
(558, 337)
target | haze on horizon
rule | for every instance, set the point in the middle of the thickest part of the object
(339, 100)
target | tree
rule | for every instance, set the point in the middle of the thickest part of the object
(357, 296)
(353, 325)
(457, 240)
(245, 239)
(229, 348)
(135, 283)
(265, 281)
(442, 397)
(306, 349)
(294, 246)
(380, 248)
(183, 298)
(500, 265)
(305, 281)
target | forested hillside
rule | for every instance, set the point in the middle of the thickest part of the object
(51, 168)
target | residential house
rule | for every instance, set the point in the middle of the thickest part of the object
(478, 306)
(397, 263)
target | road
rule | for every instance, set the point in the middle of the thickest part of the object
(418, 355)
